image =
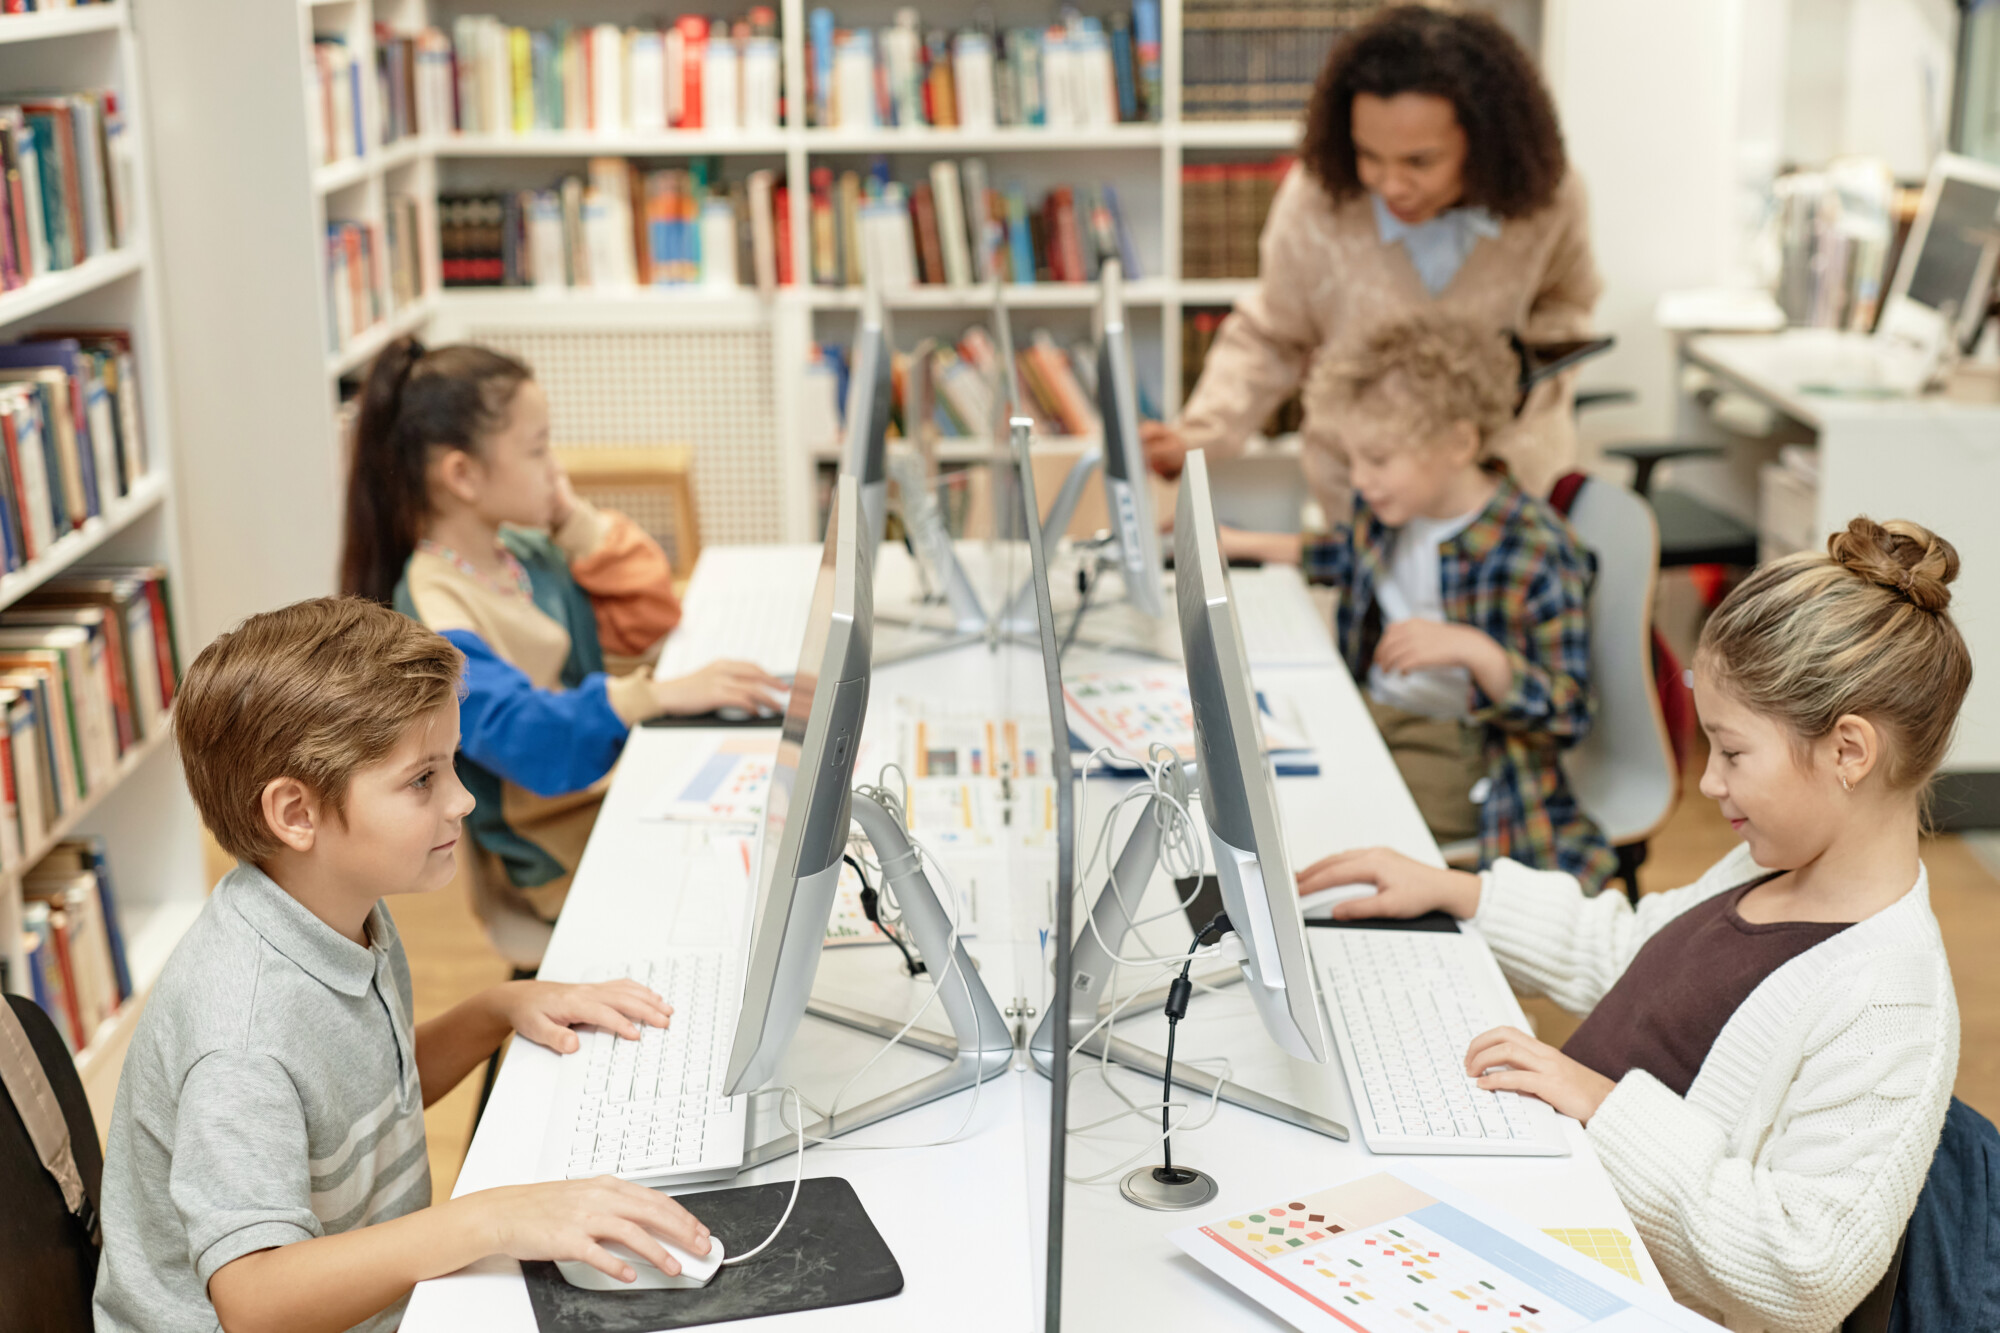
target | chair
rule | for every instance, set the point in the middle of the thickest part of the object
(651, 483)
(48, 1251)
(1691, 532)
(1623, 772)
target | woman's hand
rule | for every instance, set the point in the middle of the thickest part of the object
(1273, 548)
(721, 684)
(1166, 451)
(545, 1011)
(1509, 1060)
(572, 1219)
(1403, 887)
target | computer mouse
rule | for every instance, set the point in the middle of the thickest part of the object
(1320, 904)
(696, 1270)
(734, 714)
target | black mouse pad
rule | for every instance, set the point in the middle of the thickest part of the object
(828, 1254)
(714, 720)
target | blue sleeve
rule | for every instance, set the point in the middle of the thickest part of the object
(550, 741)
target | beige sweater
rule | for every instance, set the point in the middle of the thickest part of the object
(1326, 281)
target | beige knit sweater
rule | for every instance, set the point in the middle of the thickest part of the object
(1326, 281)
(1773, 1194)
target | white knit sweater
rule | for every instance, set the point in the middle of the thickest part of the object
(1773, 1195)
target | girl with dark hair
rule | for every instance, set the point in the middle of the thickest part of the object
(459, 516)
(1432, 180)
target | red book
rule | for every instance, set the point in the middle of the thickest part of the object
(694, 51)
(72, 1009)
(781, 230)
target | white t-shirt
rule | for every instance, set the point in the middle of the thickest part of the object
(1414, 590)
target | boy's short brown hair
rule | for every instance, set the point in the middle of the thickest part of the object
(1435, 368)
(314, 691)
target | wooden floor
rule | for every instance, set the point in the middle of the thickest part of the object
(450, 960)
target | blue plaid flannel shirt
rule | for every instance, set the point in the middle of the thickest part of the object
(1518, 573)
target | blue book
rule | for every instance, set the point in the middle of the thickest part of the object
(107, 901)
(1128, 254)
(55, 212)
(1017, 235)
(819, 33)
(1121, 68)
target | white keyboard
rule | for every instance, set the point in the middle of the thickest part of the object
(1281, 626)
(766, 626)
(1405, 1006)
(653, 1109)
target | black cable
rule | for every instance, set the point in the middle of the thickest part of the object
(1085, 584)
(871, 908)
(1178, 996)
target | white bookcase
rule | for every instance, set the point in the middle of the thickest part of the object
(144, 813)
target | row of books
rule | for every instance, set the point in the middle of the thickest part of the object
(1198, 330)
(1258, 60)
(371, 271)
(45, 6)
(87, 672)
(70, 430)
(68, 183)
(695, 73)
(1079, 73)
(622, 227)
(1837, 235)
(954, 229)
(1223, 207)
(74, 941)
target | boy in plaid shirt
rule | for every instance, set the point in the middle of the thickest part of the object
(1464, 614)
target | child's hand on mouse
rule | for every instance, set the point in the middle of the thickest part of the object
(1403, 887)
(722, 684)
(1537, 1069)
(573, 1219)
(545, 1011)
(1273, 548)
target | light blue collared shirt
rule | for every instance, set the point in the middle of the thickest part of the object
(1437, 247)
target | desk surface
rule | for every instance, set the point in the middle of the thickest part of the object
(968, 1218)
(1775, 366)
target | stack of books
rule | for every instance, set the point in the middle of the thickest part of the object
(336, 123)
(1839, 235)
(696, 73)
(356, 299)
(406, 277)
(622, 227)
(953, 229)
(75, 943)
(1080, 73)
(1198, 330)
(413, 74)
(87, 673)
(1223, 207)
(68, 183)
(70, 431)
(1255, 60)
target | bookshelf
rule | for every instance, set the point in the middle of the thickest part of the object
(141, 807)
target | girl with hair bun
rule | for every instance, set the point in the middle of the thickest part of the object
(1768, 1053)
(459, 516)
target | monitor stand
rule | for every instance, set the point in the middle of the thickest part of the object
(1091, 973)
(982, 1044)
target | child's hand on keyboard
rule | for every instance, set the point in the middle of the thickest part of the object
(1273, 548)
(1536, 1069)
(545, 1011)
(572, 1219)
(1404, 887)
(743, 685)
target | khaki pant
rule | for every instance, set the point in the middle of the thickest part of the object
(1440, 759)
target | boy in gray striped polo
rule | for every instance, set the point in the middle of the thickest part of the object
(266, 1165)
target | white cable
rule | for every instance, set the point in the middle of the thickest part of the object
(1180, 848)
(798, 1178)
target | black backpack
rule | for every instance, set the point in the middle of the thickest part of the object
(50, 1175)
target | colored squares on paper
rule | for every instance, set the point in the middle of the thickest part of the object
(1608, 1245)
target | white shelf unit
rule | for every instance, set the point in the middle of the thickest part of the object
(143, 811)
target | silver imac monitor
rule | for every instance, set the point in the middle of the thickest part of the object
(870, 397)
(1239, 796)
(1125, 484)
(1947, 264)
(806, 816)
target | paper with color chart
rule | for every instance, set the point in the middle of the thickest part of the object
(1400, 1252)
(727, 787)
(1133, 710)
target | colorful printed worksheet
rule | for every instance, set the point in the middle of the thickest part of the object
(1133, 710)
(728, 787)
(1399, 1252)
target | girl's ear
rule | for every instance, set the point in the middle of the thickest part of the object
(458, 474)
(1857, 748)
(291, 812)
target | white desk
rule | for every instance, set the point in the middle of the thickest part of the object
(967, 1221)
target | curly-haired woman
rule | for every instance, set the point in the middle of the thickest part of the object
(1432, 180)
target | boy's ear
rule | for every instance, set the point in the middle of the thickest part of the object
(1462, 438)
(291, 812)
(1857, 747)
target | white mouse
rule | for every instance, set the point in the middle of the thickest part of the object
(696, 1270)
(1320, 904)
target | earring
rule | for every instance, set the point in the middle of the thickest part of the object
(1843, 783)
